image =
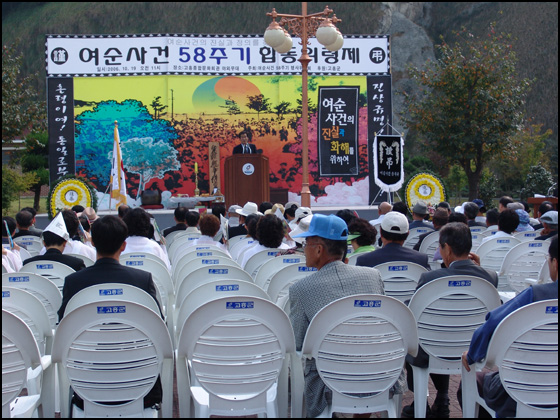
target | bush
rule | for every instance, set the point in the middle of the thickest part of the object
(13, 184)
(538, 181)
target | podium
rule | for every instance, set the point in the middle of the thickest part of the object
(246, 178)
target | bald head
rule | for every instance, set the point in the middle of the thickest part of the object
(384, 208)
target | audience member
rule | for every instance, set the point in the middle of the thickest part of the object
(419, 215)
(481, 210)
(251, 226)
(109, 235)
(382, 210)
(24, 221)
(233, 216)
(400, 206)
(8, 232)
(394, 231)
(138, 224)
(246, 210)
(440, 219)
(445, 205)
(550, 223)
(192, 218)
(74, 246)
(91, 214)
(325, 249)
(32, 228)
(489, 384)
(264, 206)
(347, 215)
(458, 217)
(55, 238)
(290, 214)
(492, 217)
(122, 209)
(78, 208)
(544, 207)
(209, 227)
(302, 226)
(503, 202)
(300, 213)
(471, 210)
(524, 225)
(508, 220)
(11, 257)
(455, 245)
(361, 235)
(180, 216)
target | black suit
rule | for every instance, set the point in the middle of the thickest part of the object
(393, 252)
(239, 149)
(237, 230)
(54, 254)
(109, 270)
(178, 226)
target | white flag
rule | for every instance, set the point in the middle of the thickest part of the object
(118, 181)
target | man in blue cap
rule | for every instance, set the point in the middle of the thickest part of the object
(325, 249)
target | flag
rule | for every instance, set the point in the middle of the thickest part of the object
(118, 181)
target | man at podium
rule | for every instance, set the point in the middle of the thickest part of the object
(245, 147)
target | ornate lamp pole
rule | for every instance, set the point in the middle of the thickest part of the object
(304, 26)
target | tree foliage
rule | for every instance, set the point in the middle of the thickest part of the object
(35, 160)
(13, 184)
(21, 107)
(470, 104)
(258, 103)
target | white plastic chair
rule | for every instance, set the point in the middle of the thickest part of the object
(400, 278)
(353, 257)
(233, 357)
(28, 308)
(413, 234)
(181, 241)
(39, 286)
(477, 229)
(188, 265)
(523, 261)
(281, 281)
(255, 261)
(87, 261)
(273, 265)
(526, 236)
(214, 290)
(33, 244)
(524, 347)
(142, 256)
(493, 251)
(206, 274)
(476, 238)
(232, 241)
(430, 244)
(53, 270)
(194, 250)
(23, 367)
(447, 310)
(240, 245)
(113, 351)
(359, 344)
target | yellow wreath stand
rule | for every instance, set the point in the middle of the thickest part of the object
(425, 187)
(68, 193)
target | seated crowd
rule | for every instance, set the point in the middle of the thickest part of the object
(325, 241)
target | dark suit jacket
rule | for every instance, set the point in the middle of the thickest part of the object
(393, 252)
(53, 254)
(472, 223)
(419, 224)
(178, 226)
(26, 233)
(237, 230)
(461, 267)
(108, 270)
(239, 149)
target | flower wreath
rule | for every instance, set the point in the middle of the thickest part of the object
(426, 187)
(69, 191)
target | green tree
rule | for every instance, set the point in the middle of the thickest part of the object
(158, 108)
(21, 107)
(35, 160)
(470, 104)
(258, 103)
(13, 184)
(538, 181)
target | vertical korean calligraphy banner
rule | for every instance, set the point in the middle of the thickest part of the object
(60, 116)
(338, 131)
(388, 162)
(380, 113)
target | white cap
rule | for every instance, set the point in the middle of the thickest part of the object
(302, 212)
(395, 222)
(58, 227)
(302, 226)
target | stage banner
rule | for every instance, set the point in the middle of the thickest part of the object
(388, 162)
(380, 116)
(60, 117)
(338, 131)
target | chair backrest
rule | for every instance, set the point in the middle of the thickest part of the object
(477, 229)
(256, 336)
(400, 278)
(181, 241)
(430, 244)
(493, 251)
(281, 281)
(27, 307)
(359, 344)
(524, 347)
(232, 241)
(142, 256)
(53, 270)
(112, 351)
(353, 257)
(214, 290)
(87, 261)
(255, 261)
(207, 274)
(413, 234)
(523, 261)
(476, 238)
(190, 264)
(171, 237)
(448, 310)
(111, 291)
(39, 286)
(199, 250)
(20, 354)
(526, 236)
(271, 267)
(33, 244)
(240, 245)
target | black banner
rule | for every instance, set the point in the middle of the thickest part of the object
(60, 115)
(338, 131)
(388, 162)
(380, 114)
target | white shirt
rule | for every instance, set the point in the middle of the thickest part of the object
(207, 240)
(12, 260)
(149, 246)
(377, 221)
(76, 247)
(257, 248)
(498, 234)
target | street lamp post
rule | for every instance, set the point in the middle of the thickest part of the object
(304, 26)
